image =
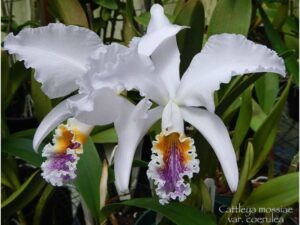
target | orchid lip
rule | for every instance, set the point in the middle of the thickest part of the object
(62, 156)
(173, 159)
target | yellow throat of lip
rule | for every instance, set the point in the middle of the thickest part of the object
(165, 144)
(66, 138)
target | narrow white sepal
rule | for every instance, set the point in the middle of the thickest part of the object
(215, 132)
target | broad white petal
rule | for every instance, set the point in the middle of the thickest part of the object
(122, 67)
(131, 127)
(58, 53)
(160, 42)
(222, 57)
(215, 132)
(159, 29)
(56, 116)
(172, 120)
(99, 107)
(166, 60)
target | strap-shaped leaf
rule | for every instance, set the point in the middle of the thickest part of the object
(23, 195)
(231, 16)
(178, 213)
(266, 134)
(190, 40)
(22, 148)
(244, 118)
(278, 192)
(279, 46)
(88, 180)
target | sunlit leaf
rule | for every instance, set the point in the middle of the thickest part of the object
(231, 16)
(266, 89)
(258, 116)
(279, 46)
(106, 136)
(265, 135)
(278, 192)
(110, 4)
(243, 121)
(71, 12)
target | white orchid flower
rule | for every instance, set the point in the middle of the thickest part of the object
(67, 58)
(173, 154)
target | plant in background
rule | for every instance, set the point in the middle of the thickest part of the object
(117, 95)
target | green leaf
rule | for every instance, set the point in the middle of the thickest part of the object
(190, 40)
(178, 213)
(247, 165)
(258, 116)
(22, 148)
(29, 133)
(106, 136)
(266, 89)
(71, 12)
(234, 93)
(205, 197)
(281, 15)
(279, 46)
(278, 192)
(109, 4)
(4, 128)
(41, 103)
(232, 110)
(42, 204)
(17, 74)
(88, 180)
(105, 14)
(294, 163)
(23, 195)
(139, 163)
(9, 171)
(243, 121)
(266, 134)
(4, 72)
(178, 7)
(129, 27)
(231, 16)
(206, 155)
(248, 162)
(143, 19)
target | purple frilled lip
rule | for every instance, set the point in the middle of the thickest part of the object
(62, 157)
(173, 158)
